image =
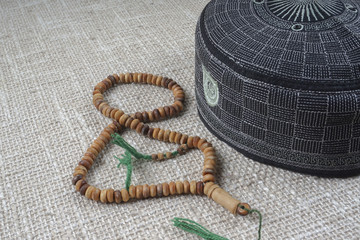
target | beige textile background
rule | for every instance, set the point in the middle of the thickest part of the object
(52, 53)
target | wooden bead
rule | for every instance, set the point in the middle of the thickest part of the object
(151, 116)
(179, 104)
(208, 178)
(166, 135)
(167, 111)
(117, 78)
(101, 87)
(99, 142)
(179, 187)
(88, 159)
(210, 155)
(190, 142)
(128, 78)
(209, 150)
(162, 112)
(155, 133)
(96, 146)
(150, 133)
(110, 195)
(112, 113)
(210, 162)
(164, 81)
(106, 135)
(134, 123)
(128, 122)
(79, 172)
(89, 191)
(153, 80)
(93, 151)
(186, 187)
(183, 139)
(205, 145)
(168, 155)
(86, 164)
(117, 196)
(200, 188)
(172, 188)
(103, 139)
(124, 195)
(135, 76)
(138, 115)
(139, 192)
(80, 168)
(208, 166)
(161, 135)
(96, 194)
(103, 196)
(156, 114)
(123, 119)
(154, 156)
(158, 81)
(171, 84)
(178, 137)
(79, 184)
(145, 130)
(106, 112)
(132, 191)
(139, 127)
(172, 137)
(145, 117)
(160, 156)
(148, 78)
(89, 155)
(76, 179)
(241, 209)
(159, 190)
(122, 78)
(102, 106)
(109, 130)
(152, 190)
(108, 83)
(112, 79)
(165, 189)
(118, 115)
(195, 141)
(84, 188)
(200, 142)
(193, 187)
(172, 111)
(208, 171)
(146, 191)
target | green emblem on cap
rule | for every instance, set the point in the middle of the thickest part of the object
(211, 89)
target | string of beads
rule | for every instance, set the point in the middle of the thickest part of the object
(137, 121)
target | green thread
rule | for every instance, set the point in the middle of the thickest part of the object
(118, 140)
(193, 227)
(130, 151)
(126, 160)
(260, 217)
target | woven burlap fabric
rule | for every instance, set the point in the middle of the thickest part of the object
(52, 53)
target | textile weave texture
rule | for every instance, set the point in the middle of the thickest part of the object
(277, 100)
(52, 53)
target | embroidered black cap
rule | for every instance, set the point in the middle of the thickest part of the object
(279, 80)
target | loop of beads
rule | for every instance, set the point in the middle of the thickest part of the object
(137, 122)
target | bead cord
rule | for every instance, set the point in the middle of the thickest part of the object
(137, 122)
(193, 227)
